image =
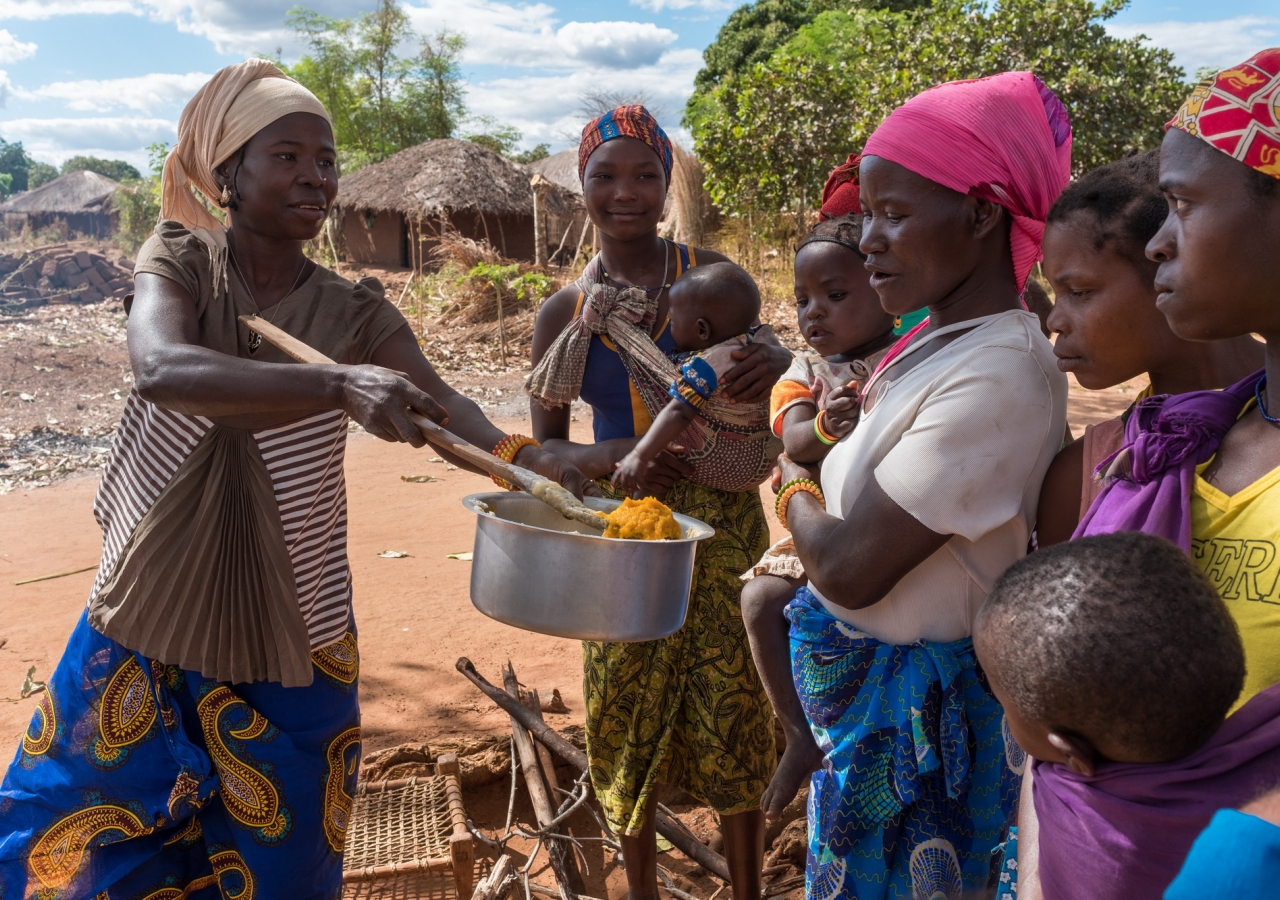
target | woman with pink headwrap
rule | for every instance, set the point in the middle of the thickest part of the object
(930, 497)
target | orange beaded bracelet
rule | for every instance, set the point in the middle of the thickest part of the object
(506, 450)
(789, 490)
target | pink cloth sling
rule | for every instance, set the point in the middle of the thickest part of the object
(1005, 138)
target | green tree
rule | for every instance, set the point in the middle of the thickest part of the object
(524, 157)
(380, 101)
(15, 163)
(752, 34)
(768, 136)
(116, 169)
(501, 139)
(137, 204)
(39, 173)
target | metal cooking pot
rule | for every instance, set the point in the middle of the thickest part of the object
(536, 570)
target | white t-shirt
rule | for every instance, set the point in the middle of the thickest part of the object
(962, 442)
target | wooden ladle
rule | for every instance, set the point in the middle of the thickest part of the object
(546, 490)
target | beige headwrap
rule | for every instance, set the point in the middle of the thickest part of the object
(235, 104)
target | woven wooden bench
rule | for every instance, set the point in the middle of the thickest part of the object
(410, 825)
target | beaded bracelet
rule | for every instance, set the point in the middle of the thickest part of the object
(821, 432)
(506, 451)
(789, 490)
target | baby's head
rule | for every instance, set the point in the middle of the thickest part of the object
(1109, 327)
(837, 310)
(1113, 647)
(712, 303)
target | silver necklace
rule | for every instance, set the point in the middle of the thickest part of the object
(666, 259)
(255, 339)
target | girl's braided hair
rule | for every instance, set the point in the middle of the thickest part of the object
(844, 230)
(1125, 200)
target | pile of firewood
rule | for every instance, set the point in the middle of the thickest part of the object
(61, 273)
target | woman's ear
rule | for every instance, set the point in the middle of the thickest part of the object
(1081, 755)
(987, 216)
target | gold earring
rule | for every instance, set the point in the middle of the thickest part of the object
(226, 196)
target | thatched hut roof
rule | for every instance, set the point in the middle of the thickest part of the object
(75, 192)
(445, 176)
(560, 168)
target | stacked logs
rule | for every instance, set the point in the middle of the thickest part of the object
(62, 273)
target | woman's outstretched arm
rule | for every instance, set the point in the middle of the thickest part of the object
(172, 370)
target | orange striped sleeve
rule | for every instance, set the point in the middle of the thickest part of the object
(785, 395)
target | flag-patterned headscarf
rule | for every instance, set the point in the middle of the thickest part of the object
(625, 121)
(1238, 112)
(1005, 139)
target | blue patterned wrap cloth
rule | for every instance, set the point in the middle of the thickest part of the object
(140, 780)
(920, 778)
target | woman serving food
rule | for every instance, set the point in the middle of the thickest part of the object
(202, 729)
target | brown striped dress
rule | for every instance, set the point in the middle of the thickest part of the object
(138, 778)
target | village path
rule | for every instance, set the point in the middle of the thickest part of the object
(414, 615)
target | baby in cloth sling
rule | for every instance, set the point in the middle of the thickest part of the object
(1117, 663)
(713, 309)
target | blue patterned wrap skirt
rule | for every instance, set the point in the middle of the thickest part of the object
(920, 777)
(141, 780)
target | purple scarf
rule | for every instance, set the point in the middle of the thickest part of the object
(1124, 833)
(1150, 479)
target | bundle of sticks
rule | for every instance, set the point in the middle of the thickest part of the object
(536, 746)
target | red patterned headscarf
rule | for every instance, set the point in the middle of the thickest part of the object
(1238, 112)
(625, 121)
(841, 192)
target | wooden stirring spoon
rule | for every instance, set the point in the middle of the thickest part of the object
(544, 489)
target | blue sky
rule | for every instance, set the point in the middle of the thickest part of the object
(108, 77)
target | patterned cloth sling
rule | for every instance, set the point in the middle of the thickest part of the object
(730, 445)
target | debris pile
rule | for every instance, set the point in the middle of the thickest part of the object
(61, 273)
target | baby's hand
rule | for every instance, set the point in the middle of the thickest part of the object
(629, 474)
(841, 406)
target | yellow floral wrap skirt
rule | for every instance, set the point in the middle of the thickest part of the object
(688, 710)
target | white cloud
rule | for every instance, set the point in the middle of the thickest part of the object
(6, 89)
(660, 5)
(123, 137)
(545, 107)
(48, 9)
(232, 26)
(1215, 44)
(497, 33)
(146, 93)
(615, 45)
(12, 49)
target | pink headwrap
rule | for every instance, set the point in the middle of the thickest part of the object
(1005, 138)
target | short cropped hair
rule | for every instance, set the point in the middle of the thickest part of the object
(724, 292)
(1118, 635)
(1125, 201)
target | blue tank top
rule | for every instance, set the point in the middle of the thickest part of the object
(616, 408)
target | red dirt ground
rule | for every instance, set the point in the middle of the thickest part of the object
(414, 616)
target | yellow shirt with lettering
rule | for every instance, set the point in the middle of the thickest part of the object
(1234, 539)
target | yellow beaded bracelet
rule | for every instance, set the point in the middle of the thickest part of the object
(506, 450)
(789, 490)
